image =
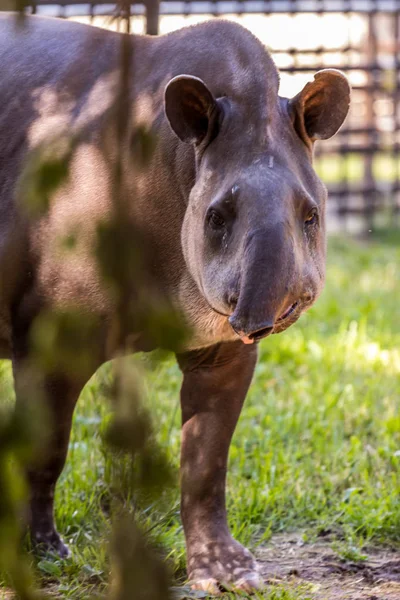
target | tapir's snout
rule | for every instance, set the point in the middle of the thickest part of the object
(257, 332)
(266, 297)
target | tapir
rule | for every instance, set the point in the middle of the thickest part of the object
(232, 205)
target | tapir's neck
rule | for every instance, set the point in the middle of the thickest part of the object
(166, 183)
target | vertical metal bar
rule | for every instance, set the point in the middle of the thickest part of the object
(125, 15)
(345, 198)
(395, 201)
(152, 16)
(373, 84)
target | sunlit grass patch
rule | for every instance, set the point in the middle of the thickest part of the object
(351, 167)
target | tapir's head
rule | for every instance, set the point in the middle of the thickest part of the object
(254, 231)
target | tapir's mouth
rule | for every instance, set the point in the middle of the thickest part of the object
(285, 320)
(288, 311)
(279, 325)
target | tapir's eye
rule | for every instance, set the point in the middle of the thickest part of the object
(215, 220)
(312, 217)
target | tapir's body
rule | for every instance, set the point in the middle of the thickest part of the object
(228, 199)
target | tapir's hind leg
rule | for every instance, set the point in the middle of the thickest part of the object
(59, 394)
(214, 388)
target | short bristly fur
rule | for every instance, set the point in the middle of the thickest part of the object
(229, 199)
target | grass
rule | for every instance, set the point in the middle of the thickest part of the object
(317, 447)
(333, 168)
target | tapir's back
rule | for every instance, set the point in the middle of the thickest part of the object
(43, 50)
(44, 63)
(47, 68)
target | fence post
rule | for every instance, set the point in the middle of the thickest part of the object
(152, 16)
(373, 84)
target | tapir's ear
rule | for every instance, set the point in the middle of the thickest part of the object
(321, 107)
(191, 108)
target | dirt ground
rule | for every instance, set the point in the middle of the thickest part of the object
(321, 575)
(316, 572)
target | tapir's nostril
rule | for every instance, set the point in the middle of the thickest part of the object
(253, 335)
(233, 300)
(261, 333)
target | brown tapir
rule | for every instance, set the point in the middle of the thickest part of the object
(230, 199)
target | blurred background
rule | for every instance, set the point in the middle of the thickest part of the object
(361, 165)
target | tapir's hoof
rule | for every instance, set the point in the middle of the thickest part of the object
(210, 586)
(248, 583)
(215, 567)
(51, 542)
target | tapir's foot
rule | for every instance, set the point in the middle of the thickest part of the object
(216, 566)
(49, 541)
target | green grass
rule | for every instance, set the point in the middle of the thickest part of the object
(317, 447)
(333, 168)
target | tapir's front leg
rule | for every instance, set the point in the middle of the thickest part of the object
(214, 387)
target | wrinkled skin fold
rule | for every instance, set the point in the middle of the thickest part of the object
(231, 208)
